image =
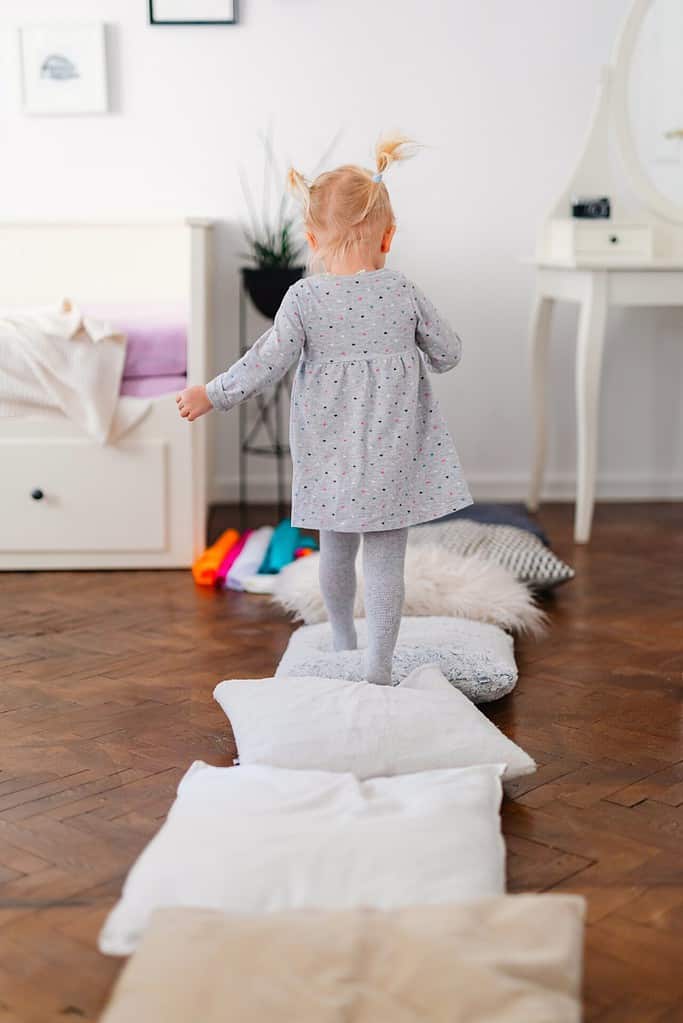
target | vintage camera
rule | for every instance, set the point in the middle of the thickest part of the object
(591, 208)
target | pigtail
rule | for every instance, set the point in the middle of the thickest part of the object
(300, 189)
(391, 149)
(388, 150)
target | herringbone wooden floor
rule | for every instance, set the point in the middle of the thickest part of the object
(106, 699)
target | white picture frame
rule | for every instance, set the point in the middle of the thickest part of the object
(64, 68)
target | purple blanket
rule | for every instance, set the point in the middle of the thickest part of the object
(157, 338)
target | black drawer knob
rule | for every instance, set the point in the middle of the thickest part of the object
(37, 494)
(614, 239)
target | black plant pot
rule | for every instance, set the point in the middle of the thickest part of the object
(267, 287)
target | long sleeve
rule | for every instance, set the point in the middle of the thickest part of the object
(265, 363)
(438, 342)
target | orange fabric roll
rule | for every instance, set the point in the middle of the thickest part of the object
(207, 564)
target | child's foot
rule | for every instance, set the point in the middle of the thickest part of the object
(378, 675)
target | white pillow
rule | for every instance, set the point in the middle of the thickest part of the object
(262, 839)
(477, 658)
(336, 725)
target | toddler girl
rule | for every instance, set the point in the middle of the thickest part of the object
(371, 452)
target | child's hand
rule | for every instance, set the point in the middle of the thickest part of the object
(193, 402)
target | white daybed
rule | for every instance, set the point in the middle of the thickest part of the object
(139, 503)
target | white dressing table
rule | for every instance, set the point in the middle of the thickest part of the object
(595, 290)
(635, 258)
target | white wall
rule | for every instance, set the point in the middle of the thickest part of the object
(500, 92)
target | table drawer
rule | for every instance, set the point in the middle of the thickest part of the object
(608, 243)
(74, 495)
(632, 241)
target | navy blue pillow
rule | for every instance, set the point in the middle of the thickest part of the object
(499, 515)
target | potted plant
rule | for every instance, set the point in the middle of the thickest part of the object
(275, 248)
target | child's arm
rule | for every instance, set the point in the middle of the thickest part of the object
(436, 339)
(263, 365)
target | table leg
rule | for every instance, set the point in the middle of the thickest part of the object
(539, 339)
(589, 348)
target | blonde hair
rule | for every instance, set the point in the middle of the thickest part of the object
(350, 205)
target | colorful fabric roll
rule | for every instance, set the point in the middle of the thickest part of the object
(230, 558)
(207, 564)
(307, 545)
(249, 559)
(281, 551)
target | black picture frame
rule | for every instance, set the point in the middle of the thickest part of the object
(194, 21)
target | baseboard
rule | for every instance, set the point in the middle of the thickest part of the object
(492, 487)
(562, 487)
(262, 490)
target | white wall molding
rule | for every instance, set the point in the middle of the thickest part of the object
(489, 487)
(562, 487)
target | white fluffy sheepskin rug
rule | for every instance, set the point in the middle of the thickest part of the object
(437, 583)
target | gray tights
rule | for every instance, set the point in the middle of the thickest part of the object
(383, 558)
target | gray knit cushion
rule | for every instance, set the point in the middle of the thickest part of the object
(477, 658)
(517, 550)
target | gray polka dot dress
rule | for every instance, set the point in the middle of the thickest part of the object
(370, 448)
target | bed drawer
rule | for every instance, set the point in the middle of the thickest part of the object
(73, 495)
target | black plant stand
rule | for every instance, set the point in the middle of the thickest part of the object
(270, 420)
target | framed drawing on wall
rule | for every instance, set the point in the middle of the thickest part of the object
(193, 12)
(64, 68)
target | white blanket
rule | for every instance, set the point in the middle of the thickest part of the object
(60, 363)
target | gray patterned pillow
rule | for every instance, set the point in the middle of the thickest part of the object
(475, 657)
(517, 550)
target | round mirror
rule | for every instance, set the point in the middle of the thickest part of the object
(648, 79)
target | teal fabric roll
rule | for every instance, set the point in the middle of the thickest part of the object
(285, 541)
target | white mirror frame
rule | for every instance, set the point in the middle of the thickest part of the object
(621, 72)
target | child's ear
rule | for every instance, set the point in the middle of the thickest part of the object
(387, 239)
(312, 241)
